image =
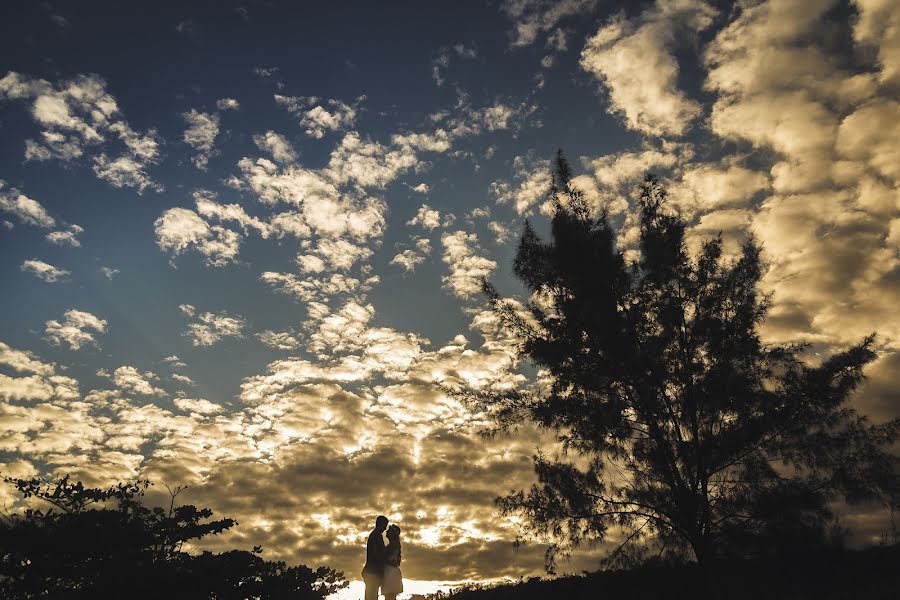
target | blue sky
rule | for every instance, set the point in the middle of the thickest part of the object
(240, 241)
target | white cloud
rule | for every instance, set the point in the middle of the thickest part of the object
(198, 405)
(531, 183)
(277, 145)
(634, 58)
(41, 383)
(426, 217)
(28, 211)
(130, 380)
(227, 104)
(280, 340)
(201, 135)
(182, 379)
(24, 361)
(323, 288)
(77, 329)
(178, 229)
(109, 272)
(410, 258)
(68, 237)
(467, 268)
(338, 255)
(44, 271)
(210, 328)
(367, 163)
(501, 232)
(79, 117)
(316, 118)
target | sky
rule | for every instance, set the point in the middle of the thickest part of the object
(241, 241)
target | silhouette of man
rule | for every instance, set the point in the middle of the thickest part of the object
(373, 571)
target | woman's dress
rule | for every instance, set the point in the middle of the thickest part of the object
(393, 578)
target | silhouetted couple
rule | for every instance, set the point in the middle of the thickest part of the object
(383, 562)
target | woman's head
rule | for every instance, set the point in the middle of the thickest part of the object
(393, 532)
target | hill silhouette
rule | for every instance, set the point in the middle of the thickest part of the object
(869, 574)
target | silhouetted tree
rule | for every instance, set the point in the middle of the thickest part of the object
(104, 543)
(678, 423)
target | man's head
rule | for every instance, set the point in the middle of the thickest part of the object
(381, 523)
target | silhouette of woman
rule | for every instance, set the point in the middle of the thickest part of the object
(393, 578)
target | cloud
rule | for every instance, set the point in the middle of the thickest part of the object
(210, 328)
(634, 59)
(34, 380)
(227, 104)
(467, 268)
(201, 135)
(534, 17)
(79, 118)
(410, 258)
(109, 272)
(277, 145)
(280, 340)
(23, 361)
(178, 229)
(322, 288)
(182, 379)
(531, 183)
(198, 405)
(316, 118)
(77, 329)
(131, 381)
(440, 63)
(501, 232)
(44, 271)
(25, 209)
(367, 163)
(426, 217)
(69, 237)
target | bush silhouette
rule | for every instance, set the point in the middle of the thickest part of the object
(104, 543)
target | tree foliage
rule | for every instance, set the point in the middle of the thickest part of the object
(105, 543)
(679, 426)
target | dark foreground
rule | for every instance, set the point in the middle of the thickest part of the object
(871, 574)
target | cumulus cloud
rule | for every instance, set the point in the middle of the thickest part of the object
(209, 328)
(131, 381)
(410, 258)
(227, 104)
(320, 116)
(79, 118)
(25, 209)
(44, 271)
(33, 380)
(77, 329)
(277, 145)
(634, 59)
(201, 132)
(467, 267)
(66, 237)
(426, 217)
(531, 182)
(181, 228)
(280, 340)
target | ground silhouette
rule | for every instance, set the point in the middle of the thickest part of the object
(870, 574)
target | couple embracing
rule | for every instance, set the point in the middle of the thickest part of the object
(383, 562)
